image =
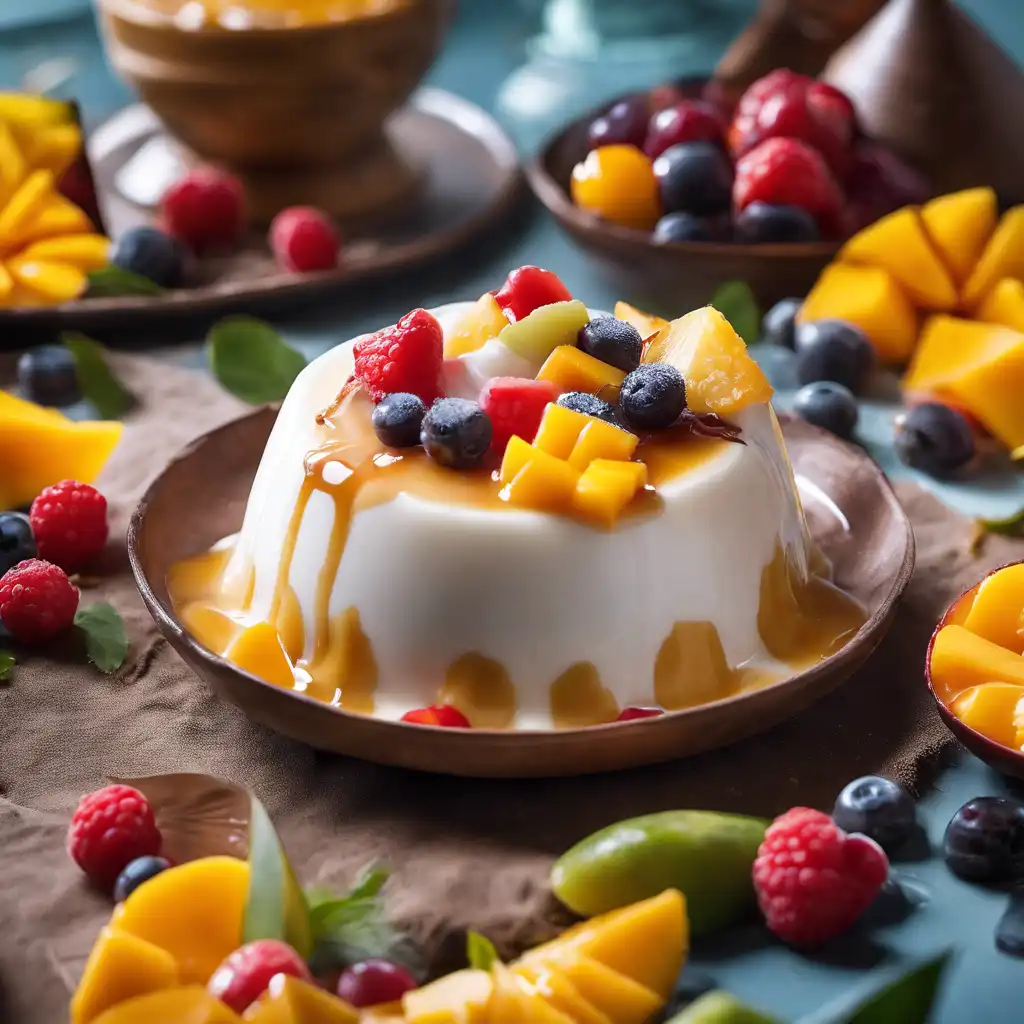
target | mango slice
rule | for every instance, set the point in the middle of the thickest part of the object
(29, 110)
(562, 994)
(989, 709)
(997, 612)
(53, 148)
(189, 1005)
(84, 251)
(537, 335)
(571, 369)
(960, 660)
(870, 298)
(1004, 304)
(898, 243)
(476, 327)
(1003, 257)
(721, 377)
(951, 347)
(459, 998)
(60, 217)
(645, 323)
(53, 282)
(13, 166)
(194, 911)
(289, 1000)
(120, 967)
(959, 225)
(31, 197)
(258, 650)
(606, 487)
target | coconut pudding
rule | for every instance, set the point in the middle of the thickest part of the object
(516, 514)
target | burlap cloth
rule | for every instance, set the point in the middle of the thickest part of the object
(464, 852)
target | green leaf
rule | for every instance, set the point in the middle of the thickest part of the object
(7, 664)
(901, 998)
(1012, 526)
(480, 951)
(275, 906)
(106, 639)
(251, 360)
(113, 282)
(95, 378)
(736, 302)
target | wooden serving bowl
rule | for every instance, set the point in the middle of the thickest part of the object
(1003, 759)
(853, 515)
(297, 112)
(679, 275)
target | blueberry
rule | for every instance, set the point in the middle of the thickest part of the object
(779, 323)
(47, 375)
(934, 438)
(833, 350)
(765, 222)
(877, 808)
(695, 177)
(827, 405)
(581, 401)
(686, 227)
(984, 841)
(140, 870)
(456, 432)
(652, 396)
(16, 540)
(397, 419)
(612, 341)
(150, 253)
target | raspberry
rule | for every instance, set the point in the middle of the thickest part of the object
(111, 828)
(246, 973)
(304, 239)
(404, 357)
(443, 715)
(787, 172)
(528, 288)
(812, 879)
(205, 209)
(69, 521)
(515, 406)
(37, 601)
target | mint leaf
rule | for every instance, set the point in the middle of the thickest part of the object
(736, 302)
(95, 378)
(106, 640)
(7, 664)
(480, 951)
(251, 360)
(113, 283)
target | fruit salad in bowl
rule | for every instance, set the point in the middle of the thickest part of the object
(517, 513)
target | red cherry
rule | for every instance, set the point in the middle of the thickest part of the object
(443, 715)
(515, 405)
(631, 714)
(528, 288)
(689, 121)
(372, 982)
(304, 239)
(244, 976)
(624, 123)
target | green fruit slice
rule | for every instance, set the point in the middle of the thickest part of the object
(537, 335)
(719, 1008)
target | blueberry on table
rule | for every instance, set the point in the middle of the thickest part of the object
(152, 254)
(778, 325)
(767, 222)
(613, 341)
(140, 870)
(934, 438)
(397, 419)
(833, 350)
(688, 227)
(652, 396)
(984, 841)
(878, 808)
(456, 433)
(591, 405)
(16, 541)
(828, 405)
(695, 177)
(47, 375)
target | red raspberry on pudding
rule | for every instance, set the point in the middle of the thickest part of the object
(405, 357)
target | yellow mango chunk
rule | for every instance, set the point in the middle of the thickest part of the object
(459, 998)
(289, 1000)
(476, 327)
(517, 454)
(602, 440)
(58, 217)
(572, 369)
(540, 1011)
(29, 110)
(560, 429)
(50, 281)
(645, 323)
(31, 197)
(544, 483)
(190, 1005)
(561, 993)
(720, 375)
(84, 251)
(1003, 257)
(12, 163)
(258, 650)
(950, 347)
(194, 911)
(1004, 304)
(899, 244)
(508, 1003)
(960, 660)
(959, 225)
(870, 298)
(14, 408)
(991, 391)
(996, 612)
(120, 967)
(53, 148)
(989, 709)
(605, 488)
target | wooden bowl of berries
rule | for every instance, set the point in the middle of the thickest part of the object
(677, 192)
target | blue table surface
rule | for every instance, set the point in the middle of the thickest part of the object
(486, 43)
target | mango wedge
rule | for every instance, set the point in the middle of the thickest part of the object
(1004, 304)
(996, 612)
(959, 225)
(292, 1001)
(190, 1005)
(561, 993)
(1002, 257)
(960, 660)
(459, 998)
(990, 709)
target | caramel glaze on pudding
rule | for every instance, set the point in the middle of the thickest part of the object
(393, 583)
(236, 15)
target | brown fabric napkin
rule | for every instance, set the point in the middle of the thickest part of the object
(465, 852)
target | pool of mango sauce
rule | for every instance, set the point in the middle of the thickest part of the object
(800, 620)
(262, 14)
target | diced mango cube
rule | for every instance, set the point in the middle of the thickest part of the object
(120, 967)
(606, 488)
(950, 347)
(476, 327)
(459, 998)
(992, 391)
(1002, 257)
(602, 440)
(1004, 304)
(960, 660)
(959, 225)
(544, 483)
(721, 376)
(870, 298)
(559, 430)
(289, 1000)
(572, 369)
(996, 612)
(899, 244)
(517, 454)
(259, 650)
(645, 323)
(989, 709)
(189, 1005)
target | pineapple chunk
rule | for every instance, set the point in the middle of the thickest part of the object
(476, 327)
